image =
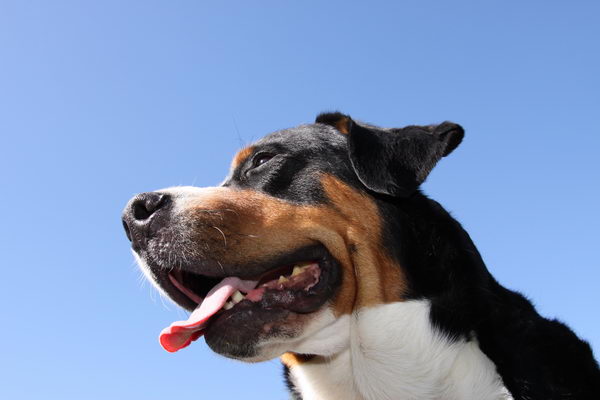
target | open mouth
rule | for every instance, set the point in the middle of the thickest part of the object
(298, 283)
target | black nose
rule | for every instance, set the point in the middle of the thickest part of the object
(144, 215)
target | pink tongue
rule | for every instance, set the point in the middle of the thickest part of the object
(181, 333)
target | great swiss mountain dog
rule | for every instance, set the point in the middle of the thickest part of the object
(319, 248)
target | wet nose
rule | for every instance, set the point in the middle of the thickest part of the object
(142, 216)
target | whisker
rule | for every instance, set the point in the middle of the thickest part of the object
(220, 265)
(223, 234)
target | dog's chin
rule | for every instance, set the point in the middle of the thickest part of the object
(316, 333)
(257, 336)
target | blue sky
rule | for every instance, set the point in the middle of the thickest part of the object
(101, 100)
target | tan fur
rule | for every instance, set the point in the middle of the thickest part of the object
(241, 156)
(292, 359)
(251, 226)
(343, 125)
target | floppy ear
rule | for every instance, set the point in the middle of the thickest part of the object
(395, 161)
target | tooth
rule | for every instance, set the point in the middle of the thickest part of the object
(237, 297)
(228, 305)
(297, 270)
(282, 279)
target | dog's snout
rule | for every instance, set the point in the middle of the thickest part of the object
(140, 214)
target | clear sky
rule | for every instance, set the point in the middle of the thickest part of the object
(101, 100)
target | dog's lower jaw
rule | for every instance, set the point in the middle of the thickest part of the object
(391, 351)
(323, 335)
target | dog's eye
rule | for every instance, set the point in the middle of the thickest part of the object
(260, 159)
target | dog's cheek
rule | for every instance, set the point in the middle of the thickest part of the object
(369, 275)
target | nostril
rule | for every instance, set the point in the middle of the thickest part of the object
(127, 231)
(147, 204)
(140, 210)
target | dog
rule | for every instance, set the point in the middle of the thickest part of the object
(320, 248)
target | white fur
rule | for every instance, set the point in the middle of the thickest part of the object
(392, 352)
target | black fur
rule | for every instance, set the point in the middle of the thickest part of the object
(294, 394)
(537, 358)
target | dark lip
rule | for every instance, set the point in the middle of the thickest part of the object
(182, 300)
(303, 301)
(316, 252)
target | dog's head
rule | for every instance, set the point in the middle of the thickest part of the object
(296, 228)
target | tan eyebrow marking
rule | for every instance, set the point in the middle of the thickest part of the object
(242, 156)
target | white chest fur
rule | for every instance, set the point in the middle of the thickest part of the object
(392, 352)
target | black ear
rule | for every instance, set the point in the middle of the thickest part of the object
(396, 161)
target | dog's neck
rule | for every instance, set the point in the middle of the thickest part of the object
(455, 334)
(392, 352)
